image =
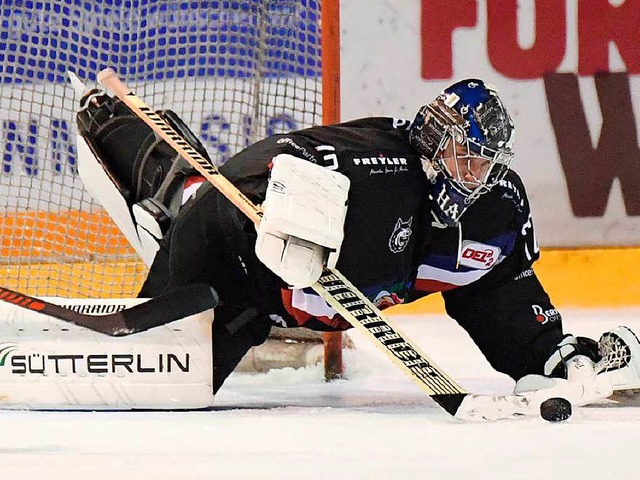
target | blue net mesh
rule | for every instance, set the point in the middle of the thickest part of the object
(153, 40)
(235, 71)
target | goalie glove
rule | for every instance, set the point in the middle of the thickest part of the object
(303, 220)
(620, 362)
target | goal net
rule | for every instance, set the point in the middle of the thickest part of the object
(234, 71)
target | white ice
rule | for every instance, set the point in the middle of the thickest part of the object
(375, 424)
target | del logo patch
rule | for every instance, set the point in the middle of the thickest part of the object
(478, 255)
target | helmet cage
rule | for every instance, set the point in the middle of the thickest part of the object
(480, 183)
(438, 124)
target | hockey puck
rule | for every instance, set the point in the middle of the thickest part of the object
(555, 409)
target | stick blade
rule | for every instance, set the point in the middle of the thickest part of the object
(450, 402)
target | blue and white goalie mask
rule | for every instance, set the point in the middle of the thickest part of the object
(465, 137)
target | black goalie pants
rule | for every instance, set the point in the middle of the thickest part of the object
(210, 241)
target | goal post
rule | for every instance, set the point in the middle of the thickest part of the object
(235, 71)
(331, 114)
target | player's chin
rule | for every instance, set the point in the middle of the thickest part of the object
(470, 185)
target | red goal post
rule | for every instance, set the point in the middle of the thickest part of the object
(331, 114)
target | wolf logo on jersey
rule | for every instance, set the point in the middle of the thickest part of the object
(400, 237)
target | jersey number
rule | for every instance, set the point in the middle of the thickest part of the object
(329, 159)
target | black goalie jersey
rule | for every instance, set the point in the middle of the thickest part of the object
(395, 251)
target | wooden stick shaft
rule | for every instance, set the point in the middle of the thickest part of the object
(109, 78)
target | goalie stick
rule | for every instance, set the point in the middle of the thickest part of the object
(175, 305)
(339, 293)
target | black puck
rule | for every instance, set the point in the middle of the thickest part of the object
(555, 409)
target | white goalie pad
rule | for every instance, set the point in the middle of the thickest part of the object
(102, 188)
(49, 364)
(581, 387)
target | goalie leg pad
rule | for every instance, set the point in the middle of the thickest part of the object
(152, 222)
(135, 224)
(581, 387)
(137, 177)
(112, 196)
(54, 365)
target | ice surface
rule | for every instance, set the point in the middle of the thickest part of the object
(376, 425)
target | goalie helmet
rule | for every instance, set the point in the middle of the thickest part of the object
(465, 137)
